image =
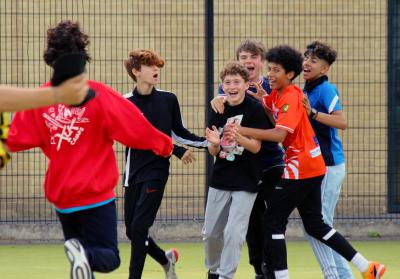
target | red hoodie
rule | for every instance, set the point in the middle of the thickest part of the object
(78, 141)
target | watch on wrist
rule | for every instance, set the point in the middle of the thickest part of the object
(313, 113)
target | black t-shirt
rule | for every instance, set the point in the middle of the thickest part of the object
(244, 171)
(272, 153)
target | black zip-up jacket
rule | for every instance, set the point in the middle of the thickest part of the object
(162, 109)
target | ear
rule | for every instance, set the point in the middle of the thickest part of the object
(325, 68)
(290, 75)
(135, 72)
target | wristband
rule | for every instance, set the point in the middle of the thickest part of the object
(314, 113)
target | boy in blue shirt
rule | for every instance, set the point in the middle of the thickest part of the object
(326, 116)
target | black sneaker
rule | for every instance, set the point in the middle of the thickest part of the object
(212, 275)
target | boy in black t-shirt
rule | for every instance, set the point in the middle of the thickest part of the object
(235, 176)
(251, 54)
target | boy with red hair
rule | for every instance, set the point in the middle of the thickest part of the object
(146, 174)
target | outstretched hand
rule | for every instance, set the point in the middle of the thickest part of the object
(260, 93)
(188, 157)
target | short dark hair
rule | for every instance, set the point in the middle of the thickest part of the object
(65, 37)
(234, 68)
(322, 51)
(253, 46)
(139, 57)
(286, 56)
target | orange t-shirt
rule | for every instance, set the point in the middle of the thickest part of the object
(303, 157)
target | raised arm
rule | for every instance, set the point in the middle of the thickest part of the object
(125, 123)
(71, 92)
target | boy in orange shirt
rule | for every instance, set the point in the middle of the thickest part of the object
(300, 186)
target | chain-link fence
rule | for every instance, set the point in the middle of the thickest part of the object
(196, 38)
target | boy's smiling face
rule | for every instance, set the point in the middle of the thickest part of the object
(314, 67)
(235, 88)
(147, 74)
(277, 76)
(253, 63)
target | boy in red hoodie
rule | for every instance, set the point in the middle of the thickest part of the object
(71, 92)
(82, 171)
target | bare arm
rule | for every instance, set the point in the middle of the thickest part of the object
(70, 92)
(336, 119)
(275, 134)
(249, 144)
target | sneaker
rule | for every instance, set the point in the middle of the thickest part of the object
(172, 256)
(268, 273)
(80, 268)
(212, 275)
(375, 271)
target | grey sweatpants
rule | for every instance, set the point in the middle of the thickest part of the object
(225, 227)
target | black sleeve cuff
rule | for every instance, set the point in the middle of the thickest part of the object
(178, 151)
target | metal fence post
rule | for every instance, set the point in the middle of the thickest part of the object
(209, 37)
(392, 114)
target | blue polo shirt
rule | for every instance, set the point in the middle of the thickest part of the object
(324, 97)
(272, 153)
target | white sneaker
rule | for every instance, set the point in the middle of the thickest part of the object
(80, 268)
(172, 256)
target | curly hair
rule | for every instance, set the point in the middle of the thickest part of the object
(139, 57)
(234, 68)
(65, 37)
(322, 51)
(253, 46)
(286, 56)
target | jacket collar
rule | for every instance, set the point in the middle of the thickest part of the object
(309, 86)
